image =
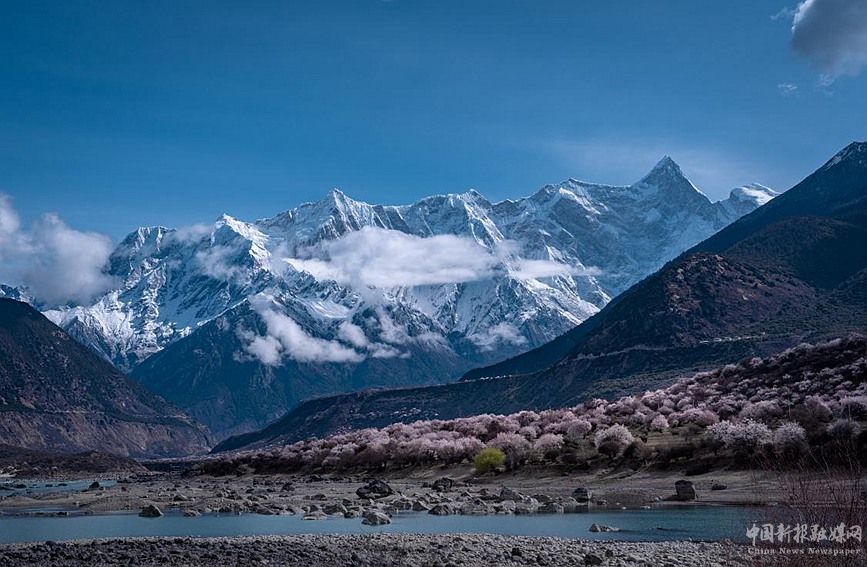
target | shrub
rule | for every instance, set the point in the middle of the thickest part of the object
(844, 429)
(548, 445)
(659, 423)
(578, 430)
(489, 459)
(613, 441)
(790, 440)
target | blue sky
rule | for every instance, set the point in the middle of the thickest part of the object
(121, 114)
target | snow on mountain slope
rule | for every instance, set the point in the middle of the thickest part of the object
(483, 280)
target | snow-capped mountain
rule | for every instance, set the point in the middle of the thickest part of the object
(340, 282)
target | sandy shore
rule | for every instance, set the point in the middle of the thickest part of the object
(379, 550)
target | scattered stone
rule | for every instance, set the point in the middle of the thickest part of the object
(718, 486)
(375, 518)
(593, 559)
(374, 489)
(444, 484)
(509, 494)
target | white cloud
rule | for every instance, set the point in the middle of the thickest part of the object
(216, 262)
(286, 338)
(353, 334)
(379, 258)
(191, 233)
(833, 35)
(501, 333)
(376, 258)
(57, 263)
(787, 89)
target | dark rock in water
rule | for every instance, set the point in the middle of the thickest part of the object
(150, 511)
(582, 494)
(375, 518)
(685, 490)
(419, 506)
(94, 485)
(444, 484)
(374, 489)
(551, 508)
(192, 513)
(718, 486)
(440, 510)
(599, 528)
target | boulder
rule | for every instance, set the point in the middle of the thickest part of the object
(572, 506)
(593, 559)
(94, 485)
(192, 513)
(718, 486)
(550, 508)
(440, 510)
(374, 489)
(150, 511)
(583, 495)
(315, 515)
(685, 490)
(600, 528)
(509, 494)
(419, 506)
(375, 518)
(476, 507)
(444, 484)
(332, 509)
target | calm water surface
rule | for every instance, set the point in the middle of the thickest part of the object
(665, 523)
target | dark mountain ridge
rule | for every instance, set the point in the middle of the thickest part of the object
(57, 395)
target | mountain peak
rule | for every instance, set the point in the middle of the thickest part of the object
(854, 152)
(667, 177)
(753, 192)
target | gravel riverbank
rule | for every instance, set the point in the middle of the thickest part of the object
(376, 549)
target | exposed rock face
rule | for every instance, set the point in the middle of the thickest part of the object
(57, 395)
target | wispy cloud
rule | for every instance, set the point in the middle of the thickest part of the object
(787, 89)
(832, 34)
(376, 258)
(57, 263)
(286, 338)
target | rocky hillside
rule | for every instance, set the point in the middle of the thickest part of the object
(57, 395)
